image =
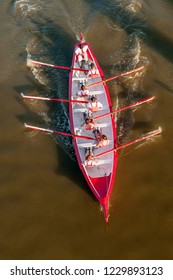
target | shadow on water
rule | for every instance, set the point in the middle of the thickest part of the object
(163, 85)
(131, 23)
(143, 124)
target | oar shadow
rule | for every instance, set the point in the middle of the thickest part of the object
(143, 126)
(163, 85)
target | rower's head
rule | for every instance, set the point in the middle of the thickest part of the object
(104, 137)
(81, 45)
(83, 87)
(93, 99)
(92, 65)
(89, 157)
(87, 120)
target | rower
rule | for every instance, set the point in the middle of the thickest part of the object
(93, 105)
(88, 124)
(97, 133)
(89, 160)
(103, 142)
(83, 91)
(93, 72)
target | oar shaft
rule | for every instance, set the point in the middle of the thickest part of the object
(57, 132)
(57, 66)
(115, 77)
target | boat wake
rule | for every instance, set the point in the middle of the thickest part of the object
(130, 86)
(27, 8)
(134, 6)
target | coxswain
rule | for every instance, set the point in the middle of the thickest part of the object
(81, 53)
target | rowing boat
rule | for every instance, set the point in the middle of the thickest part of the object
(101, 175)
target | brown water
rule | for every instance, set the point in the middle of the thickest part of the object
(46, 208)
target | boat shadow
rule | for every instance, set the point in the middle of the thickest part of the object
(163, 85)
(70, 169)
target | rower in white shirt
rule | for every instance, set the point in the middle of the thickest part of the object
(93, 105)
(83, 91)
(93, 72)
(81, 53)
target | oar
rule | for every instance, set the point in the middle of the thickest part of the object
(134, 105)
(115, 77)
(125, 108)
(51, 99)
(55, 66)
(148, 135)
(57, 132)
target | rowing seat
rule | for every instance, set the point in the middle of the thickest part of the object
(89, 144)
(81, 79)
(100, 125)
(86, 145)
(104, 161)
(77, 110)
(95, 92)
